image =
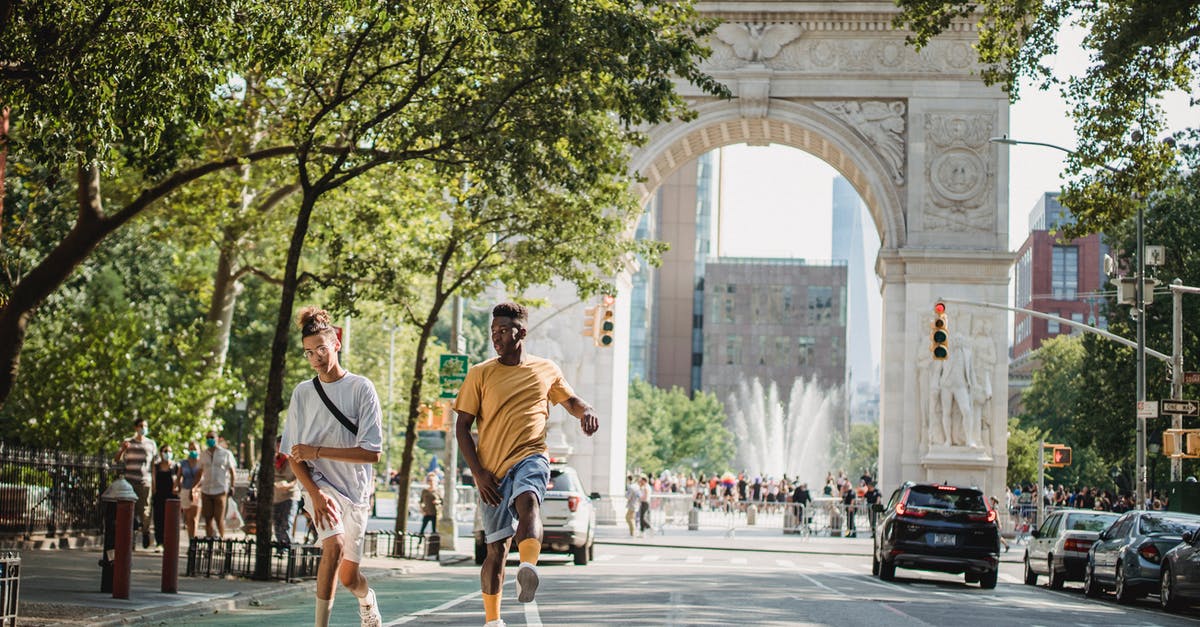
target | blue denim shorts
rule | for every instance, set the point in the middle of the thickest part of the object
(531, 474)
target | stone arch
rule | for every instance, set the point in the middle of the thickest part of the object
(801, 125)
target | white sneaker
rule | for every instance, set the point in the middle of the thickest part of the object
(527, 582)
(369, 611)
(495, 623)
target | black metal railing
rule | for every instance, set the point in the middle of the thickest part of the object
(10, 587)
(50, 492)
(213, 557)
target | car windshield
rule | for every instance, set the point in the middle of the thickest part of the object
(562, 481)
(933, 497)
(1176, 526)
(1089, 522)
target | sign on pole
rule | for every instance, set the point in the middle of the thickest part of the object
(452, 371)
(1191, 377)
(1180, 408)
(1147, 409)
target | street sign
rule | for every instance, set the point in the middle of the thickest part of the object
(452, 371)
(1191, 377)
(1181, 408)
(1147, 409)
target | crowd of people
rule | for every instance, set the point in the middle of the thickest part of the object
(1023, 499)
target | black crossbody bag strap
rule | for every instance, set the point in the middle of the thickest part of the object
(337, 413)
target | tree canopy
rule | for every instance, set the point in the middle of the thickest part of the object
(669, 431)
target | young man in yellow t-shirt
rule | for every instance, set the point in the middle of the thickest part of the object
(510, 396)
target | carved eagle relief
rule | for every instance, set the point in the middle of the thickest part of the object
(757, 42)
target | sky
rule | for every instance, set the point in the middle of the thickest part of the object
(790, 190)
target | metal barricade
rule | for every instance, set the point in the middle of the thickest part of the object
(49, 492)
(10, 587)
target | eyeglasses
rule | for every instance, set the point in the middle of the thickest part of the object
(321, 350)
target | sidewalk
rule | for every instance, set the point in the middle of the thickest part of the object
(62, 587)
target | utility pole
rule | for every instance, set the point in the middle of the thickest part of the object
(387, 447)
(1041, 500)
(1176, 366)
(448, 525)
(1140, 307)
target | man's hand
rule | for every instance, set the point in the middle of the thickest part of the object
(303, 452)
(325, 511)
(488, 487)
(590, 421)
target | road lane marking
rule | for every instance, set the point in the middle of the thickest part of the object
(650, 558)
(785, 563)
(738, 560)
(1005, 577)
(445, 606)
(694, 559)
(604, 557)
(532, 617)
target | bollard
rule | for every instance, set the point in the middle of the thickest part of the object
(433, 546)
(694, 519)
(123, 556)
(751, 515)
(116, 563)
(170, 566)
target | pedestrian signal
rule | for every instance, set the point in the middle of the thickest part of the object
(1181, 443)
(939, 333)
(1060, 456)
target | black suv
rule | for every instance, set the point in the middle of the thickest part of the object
(939, 528)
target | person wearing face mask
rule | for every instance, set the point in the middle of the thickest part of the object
(187, 485)
(216, 483)
(164, 488)
(137, 454)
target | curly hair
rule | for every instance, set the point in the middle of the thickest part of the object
(511, 310)
(313, 320)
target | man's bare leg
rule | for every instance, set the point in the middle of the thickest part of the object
(529, 544)
(491, 578)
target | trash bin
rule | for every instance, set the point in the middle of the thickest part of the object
(10, 586)
(433, 546)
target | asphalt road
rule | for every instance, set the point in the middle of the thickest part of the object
(649, 585)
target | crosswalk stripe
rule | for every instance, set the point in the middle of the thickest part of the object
(650, 558)
(694, 559)
(1009, 578)
(738, 560)
(604, 557)
(785, 563)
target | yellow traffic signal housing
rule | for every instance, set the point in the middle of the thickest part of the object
(1060, 456)
(591, 320)
(939, 334)
(599, 322)
(1181, 443)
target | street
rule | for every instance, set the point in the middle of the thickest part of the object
(633, 584)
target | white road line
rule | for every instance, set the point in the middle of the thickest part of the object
(738, 560)
(650, 558)
(445, 606)
(1005, 577)
(694, 559)
(532, 618)
(785, 563)
(604, 557)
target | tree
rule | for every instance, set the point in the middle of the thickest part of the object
(1140, 50)
(1022, 452)
(857, 452)
(119, 93)
(668, 430)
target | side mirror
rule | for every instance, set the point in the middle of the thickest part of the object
(595, 496)
(1037, 533)
(1188, 536)
(1103, 535)
(877, 507)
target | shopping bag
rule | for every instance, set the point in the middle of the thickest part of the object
(233, 518)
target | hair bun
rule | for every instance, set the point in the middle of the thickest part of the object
(312, 319)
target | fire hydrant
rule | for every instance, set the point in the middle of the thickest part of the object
(116, 564)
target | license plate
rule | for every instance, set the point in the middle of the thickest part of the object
(944, 539)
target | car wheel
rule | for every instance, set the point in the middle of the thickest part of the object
(1091, 587)
(581, 555)
(887, 570)
(480, 552)
(1167, 598)
(987, 580)
(1030, 576)
(1056, 578)
(592, 550)
(1125, 594)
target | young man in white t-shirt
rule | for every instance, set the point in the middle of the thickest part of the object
(333, 463)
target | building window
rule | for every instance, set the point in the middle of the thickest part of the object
(1064, 272)
(783, 357)
(1051, 327)
(820, 304)
(787, 302)
(733, 350)
(1077, 317)
(804, 349)
(762, 350)
(1024, 278)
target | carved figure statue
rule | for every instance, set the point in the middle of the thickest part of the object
(983, 347)
(954, 387)
(757, 42)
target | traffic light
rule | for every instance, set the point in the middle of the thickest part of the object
(607, 322)
(939, 334)
(1182, 443)
(1060, 456)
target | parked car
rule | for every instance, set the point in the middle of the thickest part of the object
(1059, 548)
(939, 528)
(1127, 556)
(568, 518)
(1179, 578)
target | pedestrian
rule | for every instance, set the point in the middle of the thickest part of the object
(165, 470)
(333, 435)
(137, 453)
(643, 506)
(871, 497)
(848, 496)
(285, 497)
(431, 503)
(187, 485)
(216, 484)
(802, 501)
(632, 501)
(509, 396)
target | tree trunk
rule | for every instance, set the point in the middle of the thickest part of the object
(274, 399)
(414, 412)
(226, 289)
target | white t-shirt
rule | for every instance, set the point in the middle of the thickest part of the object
(216, 463)
(310, 422)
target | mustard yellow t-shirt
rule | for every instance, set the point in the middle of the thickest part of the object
(511, 405)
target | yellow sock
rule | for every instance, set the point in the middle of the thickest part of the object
(530, 549)
(491, 607)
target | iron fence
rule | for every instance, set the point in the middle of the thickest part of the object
(50, 492)
(10, 586)
(216, 557)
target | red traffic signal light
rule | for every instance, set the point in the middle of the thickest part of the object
(939, 335)
(1061, 456)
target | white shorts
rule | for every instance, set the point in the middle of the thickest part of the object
(186, 501)
(352, 524)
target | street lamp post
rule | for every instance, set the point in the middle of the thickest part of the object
(1139, 310)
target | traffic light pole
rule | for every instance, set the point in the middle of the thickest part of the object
(1041, 486)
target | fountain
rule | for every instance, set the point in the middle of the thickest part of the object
(774, 440)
